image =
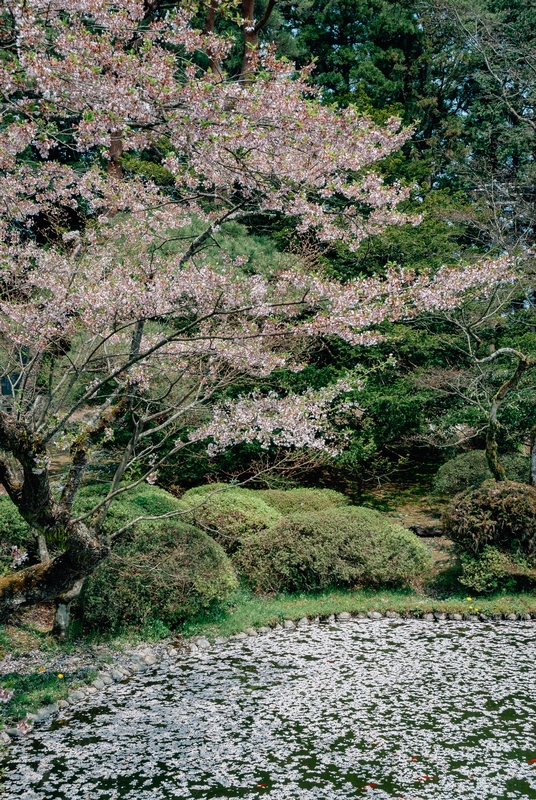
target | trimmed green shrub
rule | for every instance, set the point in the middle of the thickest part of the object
(230, 515)
(144, 500)
(469, 470)
(497, 514)
(162, 569)
(301, 501)
(485, 573)
(340, 547)
(208, 488)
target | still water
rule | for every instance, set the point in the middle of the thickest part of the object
(368, 709)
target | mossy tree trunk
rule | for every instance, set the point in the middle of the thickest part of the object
(26, 478)
(524, 363)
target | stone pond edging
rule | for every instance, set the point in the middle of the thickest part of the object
(138, 661)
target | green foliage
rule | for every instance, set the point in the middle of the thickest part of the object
(13, 531)
(485, 573)
(291, 501)
(209, 488)
(469, 470)
(341, 547)
(162, 570)
(229, 515)
(13, 528)
(32, 690)
(501, 515)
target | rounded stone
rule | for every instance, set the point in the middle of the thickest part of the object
(91, 690)
(344, 615)
(374, 615)
(303, 622)
(150, 659)
(472, 618)
(263, 629)
(439, 616)
(203, 644)
(428, 617)
(526, 617)
(136, 668)
(62, 704)
(240, 635)
(278, 627)
(13, 733)
(251, 632)
(76, 695)
(392, 614)
(288, 624)
(456, 617)
(4, 737)
(98, 684)
(116, 675)
(331, 618)
(511, 616)
(483, 617)
(220, 640)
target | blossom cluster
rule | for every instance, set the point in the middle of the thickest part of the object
(105, 307)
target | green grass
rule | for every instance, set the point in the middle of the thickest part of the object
(249, 611)
(37, 689)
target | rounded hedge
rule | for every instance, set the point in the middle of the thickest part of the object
(159, 569)
(301, 501)
(229, 515)
(469, 470)
(342, 547)
(497, 514)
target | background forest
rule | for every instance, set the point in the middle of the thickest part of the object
(462, 74)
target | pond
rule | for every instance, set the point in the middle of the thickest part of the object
(378, 709)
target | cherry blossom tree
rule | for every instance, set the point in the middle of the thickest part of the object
(113, 342)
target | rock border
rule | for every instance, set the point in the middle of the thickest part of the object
(140, 660)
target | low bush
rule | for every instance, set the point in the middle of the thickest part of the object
(340, 547)
(301, 501)
(469, 470)
(486, 572)
(166, 570)
(229, 515)
(208, 488)
(497, 514)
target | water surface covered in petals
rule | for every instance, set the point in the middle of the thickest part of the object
(377, 709)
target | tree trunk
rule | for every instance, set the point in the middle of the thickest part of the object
(114, 154)
(251, 36)
(492, 452)
(532, 477)
(54, 578)
(215, 63)
(251, 41)
(42, 548)
(60, 629)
